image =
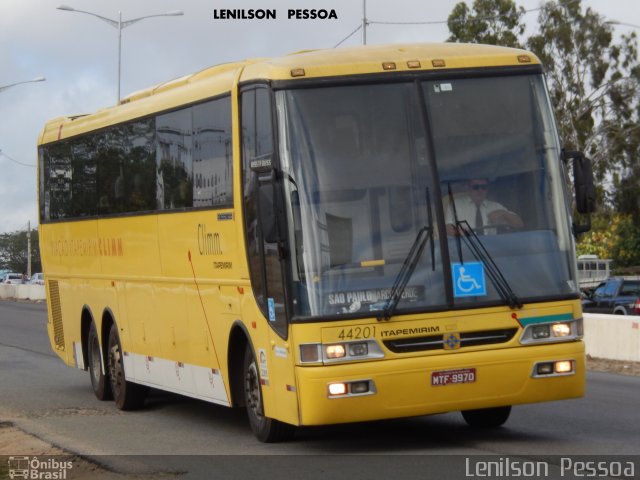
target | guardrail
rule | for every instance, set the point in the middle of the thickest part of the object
(612, 337)
(23, 292)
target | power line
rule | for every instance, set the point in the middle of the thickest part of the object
(432, 22)
(441, 22)
(347, 37)
(15, 161)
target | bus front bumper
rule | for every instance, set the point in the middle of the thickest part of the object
(403, 387)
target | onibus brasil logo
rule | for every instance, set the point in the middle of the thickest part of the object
(35, 468)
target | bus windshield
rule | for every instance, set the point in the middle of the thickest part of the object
(369, 166)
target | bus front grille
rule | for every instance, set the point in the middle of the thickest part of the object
(437, 342)
(56, 314)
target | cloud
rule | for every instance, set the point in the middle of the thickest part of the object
(78, 56)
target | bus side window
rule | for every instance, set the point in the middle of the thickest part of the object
(212, 163)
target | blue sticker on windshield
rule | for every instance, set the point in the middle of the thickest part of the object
(468, 279)
(272, 309)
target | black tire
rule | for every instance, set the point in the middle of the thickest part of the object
(487, 417)
(265, 429)
(127, 395)
(99, 381)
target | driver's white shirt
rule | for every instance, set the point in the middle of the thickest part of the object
(466, 210)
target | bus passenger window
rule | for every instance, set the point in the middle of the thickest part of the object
(174, 161)
(212, 166)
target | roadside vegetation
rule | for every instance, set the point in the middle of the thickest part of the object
(13, 252)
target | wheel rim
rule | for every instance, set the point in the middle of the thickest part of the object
(96, 361)
(115, 369)
(252, 390)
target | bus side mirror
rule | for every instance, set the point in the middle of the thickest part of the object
(584, 187)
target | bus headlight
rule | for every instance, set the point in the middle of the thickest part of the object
(340, 352)
(552, 332)
(359, 349)
(554, 368)
(353, 388)
(335, 351)
(540, 331)
(561, 329)
(336, 389)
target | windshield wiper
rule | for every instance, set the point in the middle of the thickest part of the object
(409, 264)
(464, 231)
(452, 204)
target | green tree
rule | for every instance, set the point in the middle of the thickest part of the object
(625, 250)
(594, 85)
(594, 82)
(13, 252)
(600, 239)
(494, 22)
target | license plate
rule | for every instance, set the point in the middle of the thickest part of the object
(453, 377)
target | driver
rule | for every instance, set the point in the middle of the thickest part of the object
(473, 206)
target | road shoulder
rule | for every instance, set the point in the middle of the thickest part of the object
(17, 443)
(613, 366)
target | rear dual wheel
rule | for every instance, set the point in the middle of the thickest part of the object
(127, 395)
(99, 377)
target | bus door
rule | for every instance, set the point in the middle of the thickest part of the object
(263, 207)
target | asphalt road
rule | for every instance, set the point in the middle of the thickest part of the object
(199, 440)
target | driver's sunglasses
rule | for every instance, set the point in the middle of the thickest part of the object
(479, 186)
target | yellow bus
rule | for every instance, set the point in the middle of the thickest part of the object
(292, 236)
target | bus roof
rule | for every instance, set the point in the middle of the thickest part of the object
(381, 58)
(220, 79)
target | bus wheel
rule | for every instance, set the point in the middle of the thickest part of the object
(487, 417)
(128, 395)
(99, 381)
(266, 429)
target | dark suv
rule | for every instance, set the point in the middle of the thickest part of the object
(617, 295)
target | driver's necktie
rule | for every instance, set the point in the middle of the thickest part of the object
(479, 223)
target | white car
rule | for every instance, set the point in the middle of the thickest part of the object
(37, 279)
(12, 278)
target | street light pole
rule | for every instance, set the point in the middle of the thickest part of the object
(29, 249)
(615, 22)
(119, 24)
(119, 52)
(364, 22)
(37, 79)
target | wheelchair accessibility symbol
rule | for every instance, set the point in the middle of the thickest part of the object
(468, 279)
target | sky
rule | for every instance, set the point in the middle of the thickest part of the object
(78, 56)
